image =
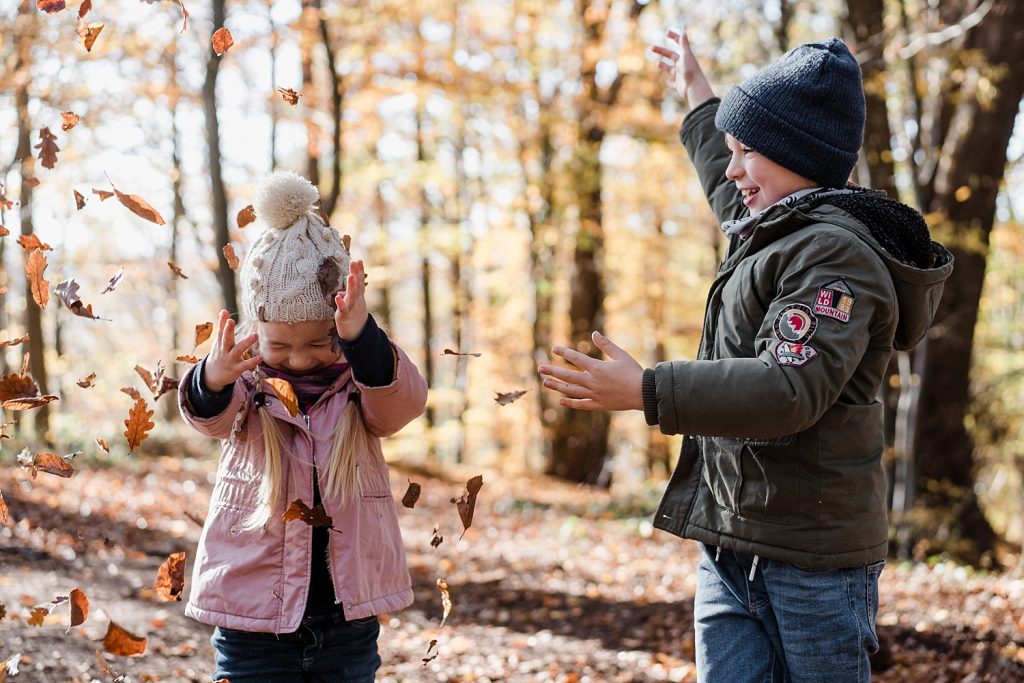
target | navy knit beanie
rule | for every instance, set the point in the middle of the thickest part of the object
(805, 112)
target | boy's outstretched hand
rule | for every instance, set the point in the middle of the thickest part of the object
(226, 361)
(350, 316)
(613, 384)
(681, 64)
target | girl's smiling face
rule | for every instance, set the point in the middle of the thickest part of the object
(298, 348)
(761, 181)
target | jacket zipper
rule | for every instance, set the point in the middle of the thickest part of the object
(330, 569)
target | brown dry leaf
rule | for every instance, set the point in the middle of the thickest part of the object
(286, 393)
(79, 608)
(431, 657)
(114, 281)
(506, 398)
(89, 33)
(183, 358)
(30, 242)
(438, 539)
(86, 382)
(297, 510)
(29, 402)
(47, 148)
(79, 200)
(36, 616)
(203, 332)
(412, 494)
(246, 216)
(84, 9)
(139, 206)
(5, 514)
(184, 15)
(133, 392)
(449, 352)
(166, 384)
(222, 40)
(102, 443)
(71, 119)
(176, 270)
(67, 291)
(17, 386)
(14, 342)
(151, 379)
(137, 425)
(289, 95)
(170, 579)
(229, 255)
(50, 6)
(466, 503)
(102, 194)
(446, 599)
(51, 463)
(34, 267)
(122, 643)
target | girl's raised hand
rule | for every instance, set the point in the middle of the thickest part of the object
(226, 361)
(350, 316)
(681, 64)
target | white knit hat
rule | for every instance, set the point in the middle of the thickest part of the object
(297, 263)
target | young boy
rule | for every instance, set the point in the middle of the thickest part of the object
(780, 477)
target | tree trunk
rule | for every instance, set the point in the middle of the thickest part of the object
(330, 199)
(426, 277)
(172, 305)
(225, 276)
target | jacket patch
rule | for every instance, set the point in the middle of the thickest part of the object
(796, 323)
(835, 299)
(794, 355)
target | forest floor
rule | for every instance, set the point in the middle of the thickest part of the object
(551, 583)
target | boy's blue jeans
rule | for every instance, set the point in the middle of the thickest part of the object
(325, 649)
(786, 625)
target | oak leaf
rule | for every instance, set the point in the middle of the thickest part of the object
(286, 393)
(246, 216)
(88, 33)
(412, 494)
(466, 503)
(32, 241)
(120, 642)
(79, 608)
(114, 281)
(35, 264)
(446, 599)
(84, 9)
(289, 95)
(230, 257)
(71, 119)
(170, 579)
(86, 382)
(51, 6)
(67, 291)
(79, 200)
(176, 270)
(47, 148)
(222, 40)
(315, 517)
(36, 616)
(14, 342)
(506, 398)
(137, 424)
(102, 194)
(139, 206)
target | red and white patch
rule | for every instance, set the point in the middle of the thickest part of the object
(796, 323)
(794, 355)
(835, 300)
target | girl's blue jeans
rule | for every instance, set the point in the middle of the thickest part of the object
(325, 649)
(787, 624)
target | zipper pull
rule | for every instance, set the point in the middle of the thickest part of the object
(306, 418)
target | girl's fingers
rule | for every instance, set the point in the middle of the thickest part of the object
(221, 320)
(242, 346)
(671, 55)
(229, 334)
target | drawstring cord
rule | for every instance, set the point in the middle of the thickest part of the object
(753, 568)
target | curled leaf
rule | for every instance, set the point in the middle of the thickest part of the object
(70, 118)
(114, 281)
(317, 516)
(51, 6)
(86, 382)
(176, 270)
(289, 96)
(412, 494)
(286, 393)
(35, 265)
(466, 503)
(120, 642)
(14, 342)
(79, 608)
(67, 291)
(79, 200)
(84, 8)
(51, 463)
(102, 443)
(203, 332)
(89, 33)
(30, 242)
(102, 194)
(450, 352)
(4, 512)
(170, 579)
(246, 216)
(139, 206)
(446, 599)
(230, 257)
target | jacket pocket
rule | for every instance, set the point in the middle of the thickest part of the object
(753, 481)
(674, 509)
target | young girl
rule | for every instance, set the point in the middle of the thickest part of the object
(293, 602)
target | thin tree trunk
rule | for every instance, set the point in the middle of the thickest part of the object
(173, 306)
(330, 199)
(426, 277)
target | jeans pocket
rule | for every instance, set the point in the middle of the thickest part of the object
(871, 574)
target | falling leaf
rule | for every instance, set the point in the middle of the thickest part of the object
(170, 579)
(137, 425)
(36, 616)
(47, 148)
(122, 643)
(222, 40)
(430, 657)
(246, 216)
(71, 119)
(446, 599)
(167, 384)
(29, 402)
(187, 359)
(466, 503)
(79, 200)
(139, 206)
(86, 382)
(438, 539)
(229, 255)
(114, 281)
(32, 241)
(449, 352)
(151, 379)
(289, 95)
(89, 33)
(9, 666)
(34, 267)
(4, 232)
(412, 494)
(51, 463)
(102, 194)
(504, 399)
(4, 513)
(19, 392)
(184, 15)
(50, 6)
(102, 443)
(14, 342)
(176, 270)
(79, 608)
(203, 332)
(286, 393)
(317, 517)
(67, 291)
(84, 9)
(133, 392)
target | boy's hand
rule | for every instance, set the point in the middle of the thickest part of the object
(599, 384)
(226, 361)
(688, 78)
(350, 316)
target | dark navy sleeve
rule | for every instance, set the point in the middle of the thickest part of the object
(206, 403)
(371, 355)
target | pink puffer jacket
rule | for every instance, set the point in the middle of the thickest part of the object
(259, 580)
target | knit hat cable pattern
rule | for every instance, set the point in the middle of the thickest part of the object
(805, 112)
(297, 264)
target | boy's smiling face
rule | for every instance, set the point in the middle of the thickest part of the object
(761, 181)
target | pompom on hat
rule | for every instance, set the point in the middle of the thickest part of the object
(805, 112)
(297, 264)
